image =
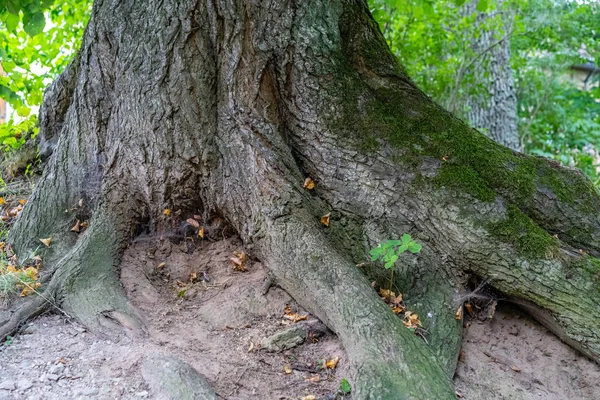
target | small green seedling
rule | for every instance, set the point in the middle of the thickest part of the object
(345, 387)
(389, 251)
(8, 341)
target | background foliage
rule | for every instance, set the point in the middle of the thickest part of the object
(36, 44)
(556, 119)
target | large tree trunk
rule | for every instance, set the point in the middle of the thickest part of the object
(226, 106)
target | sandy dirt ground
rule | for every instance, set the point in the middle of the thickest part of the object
(218, 322)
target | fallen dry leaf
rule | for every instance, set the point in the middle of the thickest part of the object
(85, 224)
(469, 308)
(309, 184)
(15, 211)
(2, 201)
(193, 222)
(313, 379)
(390, 297)
(251, 347)
(239, 261)
(161, 265)
(287, 369)
(411, 320)
(193, 277)
(459, 395)
(459, 312)
(397, 310)
(201, 233)
(46, 241)
(514, 368)
(287, 309)
(309, 397)
(325, 219)
(22, 201)
(77, 227)
(167, 212)
(296, 317)
(331, 364)
(80, 203)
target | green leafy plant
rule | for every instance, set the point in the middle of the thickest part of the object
(8, 341)
(389, 251)
(345, 387)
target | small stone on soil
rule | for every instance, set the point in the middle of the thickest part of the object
(8, 385)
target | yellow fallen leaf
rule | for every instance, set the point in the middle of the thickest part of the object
(46, 241)
(309, 184)
(85, 224)
(459, 312)
(331, 364)
(22, 201)
(469, 308)
(296, 317)
(411, 320)
(287, 369)
(77, 227)
(239, 261)
(325, 219)
(2, 201)
(397, 310)
(287, 309)
(167, 212)
(201, 233)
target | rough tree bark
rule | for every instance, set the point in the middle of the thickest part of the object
(495, 110)
(223, 107)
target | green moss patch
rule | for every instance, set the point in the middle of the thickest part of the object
(520, 230)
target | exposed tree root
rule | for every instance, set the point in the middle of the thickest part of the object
(391, 361)
(27, 309)
(88, 282)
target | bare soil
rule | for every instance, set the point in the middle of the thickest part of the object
(217, 324)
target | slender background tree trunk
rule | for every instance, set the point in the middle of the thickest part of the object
(493, 111)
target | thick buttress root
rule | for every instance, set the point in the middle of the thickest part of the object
(391, 361)
(89, 283)
(84, 284)
(26, 310)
